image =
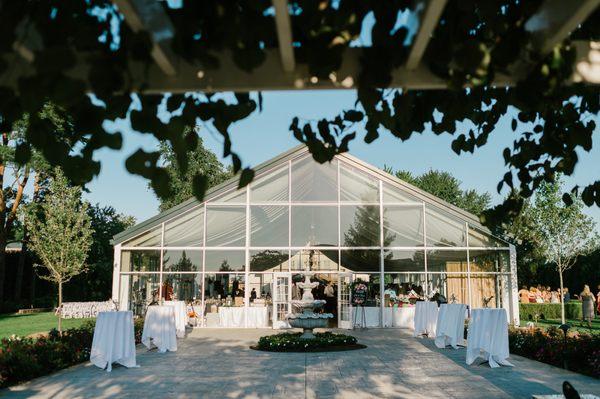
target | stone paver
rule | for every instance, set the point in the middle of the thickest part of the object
(219, 364)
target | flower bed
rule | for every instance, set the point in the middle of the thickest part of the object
(23, 359)
(581, 352)
(291, 342)
(529, 311)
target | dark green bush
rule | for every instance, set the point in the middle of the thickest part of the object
(292, 342)
(581, 352)
(544, 311)
(22, 359)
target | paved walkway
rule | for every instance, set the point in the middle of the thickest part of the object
(219, 364)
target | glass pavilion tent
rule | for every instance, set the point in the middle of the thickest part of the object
(339, 222)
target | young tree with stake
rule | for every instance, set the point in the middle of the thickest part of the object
(60, 234)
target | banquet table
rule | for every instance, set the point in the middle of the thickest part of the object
(237, 316)
(113, 340)
(426, 314)
(450, 325)
(180, 309)
(488, 337)
(371, 316)
(401, 317)
(159, 328)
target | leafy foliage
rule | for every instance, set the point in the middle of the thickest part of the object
(291, 342)
(447, 187)
(545, 311)
(201, 162)
(476, 42)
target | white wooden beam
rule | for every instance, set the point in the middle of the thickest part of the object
(284, 35)
(149, 15)
(556, 19)
(429, 20)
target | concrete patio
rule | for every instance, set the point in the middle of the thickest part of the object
(219, 364)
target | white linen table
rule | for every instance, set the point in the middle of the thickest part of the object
(257, 317)
(371, 316)
(488, 337)
(426, 314)
(113, 340)
(159, 328)
(180, 309)
(231, 316)
(450, 325)
(401, 316)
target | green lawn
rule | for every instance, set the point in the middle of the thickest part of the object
(26, 324)
(577, 325)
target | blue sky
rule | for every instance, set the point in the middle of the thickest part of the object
(265, 135)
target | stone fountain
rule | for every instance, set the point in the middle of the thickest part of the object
(307, 319)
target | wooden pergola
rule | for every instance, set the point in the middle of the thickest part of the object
(554, 22)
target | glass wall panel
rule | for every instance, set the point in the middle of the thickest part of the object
(360, 225)
(449, 286)
(182, 287)
(478, 238)
(357, 186)
(482, 260)
(271, 187)
(260, 284)
(360, 260)
(403, 226)
(226, 227)
(140, 261)
(314, 260)
(186, 230)
(398, 286)
(312, 181)
(447, 261)
(269, 226)
(139, 291)
(404, 261)
(372, 281)
(222, 290)
(182, 261)
(225, 261)
(314, 226)
(444, 230)
(151, 238)
(233, 197)
(484, 289)
(392, 194)
(269, 260)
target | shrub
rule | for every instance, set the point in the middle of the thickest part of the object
(22, 359)
(581, 352)
(528, 311)
(286, 342)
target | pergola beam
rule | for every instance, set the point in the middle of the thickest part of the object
(284, 35)
(556, 19)
(148, 15)
(431, 15)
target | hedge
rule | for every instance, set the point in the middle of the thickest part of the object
(528, 311)
(23, 359)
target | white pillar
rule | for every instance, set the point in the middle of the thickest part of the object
(514, 288)
(116, 272)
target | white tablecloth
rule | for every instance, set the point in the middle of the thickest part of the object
(159, 328)
(488, 337)
(401, 317)
(371, 316)
(180, 310)
(114, 340)
(257, 317)
(231, 316)
(426, 314)
(450, 325)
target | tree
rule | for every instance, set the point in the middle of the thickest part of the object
(447, 187)
(82, 47)
(201, 161)
(561, 232)
(61, 234)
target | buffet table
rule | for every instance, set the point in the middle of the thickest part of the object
(488, 337)
(237, 317)
(113, 340)
(401, 317)
(450, 325)
(180, 309)
(159, 328)
(426, 314)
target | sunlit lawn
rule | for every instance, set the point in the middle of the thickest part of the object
(26, 324)
(577, 325)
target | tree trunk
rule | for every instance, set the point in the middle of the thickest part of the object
(562, 297)
(19, 273)
(2, 264)
(60, 306)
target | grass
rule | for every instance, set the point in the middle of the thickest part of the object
(576, 325)
(26, 324)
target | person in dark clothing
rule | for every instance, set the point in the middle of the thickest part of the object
(252, 295)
